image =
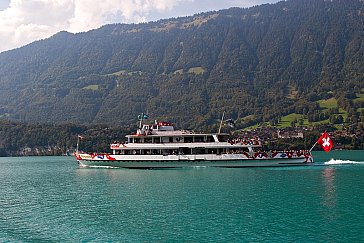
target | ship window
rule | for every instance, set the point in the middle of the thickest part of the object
(171, 139)
(136, 140)
(233, 151)
(156, 151)
(198, 139)
(244, 150)
(222, 138)
(212, 151)
(173, 151)
(145, 151)
(210, 139)
(157, 140)
(188, 139)
(135, 152)
(183, 151)
(147, 140)
(200, 150)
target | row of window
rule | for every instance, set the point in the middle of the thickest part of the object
(176, 139)
(180, 151)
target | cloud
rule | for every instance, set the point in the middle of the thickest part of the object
(4, 4)
(24, 21)
(91, 14)
(27, 20)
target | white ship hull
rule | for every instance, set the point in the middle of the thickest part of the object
(180, 161)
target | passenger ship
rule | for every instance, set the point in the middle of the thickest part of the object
(159, 145)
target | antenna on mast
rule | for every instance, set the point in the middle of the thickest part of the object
(142, 117)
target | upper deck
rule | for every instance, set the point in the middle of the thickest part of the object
(162, 134)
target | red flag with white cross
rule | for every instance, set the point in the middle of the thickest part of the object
(325, 142)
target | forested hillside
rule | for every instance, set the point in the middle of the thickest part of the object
(258, 64)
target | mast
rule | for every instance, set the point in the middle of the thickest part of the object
(142, 117)
(78, 142)
(222, 119)
(79, 137)
(141, 121)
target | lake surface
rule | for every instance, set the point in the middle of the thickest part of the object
(51, 199)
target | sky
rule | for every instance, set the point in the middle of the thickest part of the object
(25, 21)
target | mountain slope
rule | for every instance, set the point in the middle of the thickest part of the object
(264, 61)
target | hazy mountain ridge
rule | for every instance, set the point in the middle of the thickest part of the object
(264, 61)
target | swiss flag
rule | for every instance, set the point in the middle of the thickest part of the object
(325, 142)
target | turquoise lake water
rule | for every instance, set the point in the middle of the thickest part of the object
(51, 199)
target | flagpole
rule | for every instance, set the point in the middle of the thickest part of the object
(313, 147)
(222, 119)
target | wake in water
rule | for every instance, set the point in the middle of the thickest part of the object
(343, 162)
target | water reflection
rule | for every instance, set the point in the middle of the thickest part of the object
(329, 197)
